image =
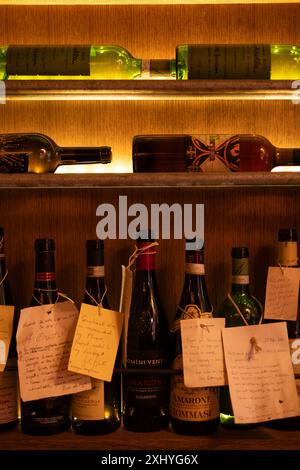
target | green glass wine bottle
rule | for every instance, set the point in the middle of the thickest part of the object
(238, 61)
(71, 62)
(239, 309)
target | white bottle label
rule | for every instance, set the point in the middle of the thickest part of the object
(45, 60)
(231, 61)
(8, 396)
(89, 405)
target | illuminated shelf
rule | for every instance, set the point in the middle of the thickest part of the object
(149, 180)
(136, 2)
(151, 90)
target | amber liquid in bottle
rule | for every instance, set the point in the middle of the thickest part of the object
(47, 415)
(193, 411)
(146, 395)
(8, 378)
(97, 411)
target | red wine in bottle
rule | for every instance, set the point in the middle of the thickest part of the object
(209, 153)
(193, 411)
(87, 406)
(288, 257)
(8, 378)
(146, 395)
(48, 415)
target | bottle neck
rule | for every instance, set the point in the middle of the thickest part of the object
(158, 69)
(84, 155)
(95, 288)
(240, 275)
(146, 259)
(288, 254)
(194, 263)
(45, 290)
(286, 157)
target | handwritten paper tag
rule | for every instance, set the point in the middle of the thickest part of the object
(125, 304)
(6, 328)
(96, 342)
(260, 373)
(44, 343)
(282, 293)
(202, 348)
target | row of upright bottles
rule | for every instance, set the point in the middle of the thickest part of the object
(192, 61)
(154, 393)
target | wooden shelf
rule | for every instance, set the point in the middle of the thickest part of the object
(149, 180)
(135, 2)
(151, 90)
(259, 438)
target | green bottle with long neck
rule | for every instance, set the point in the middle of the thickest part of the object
(78, 62)
(239, 309)
(238, 61)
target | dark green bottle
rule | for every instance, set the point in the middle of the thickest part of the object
(251, 311)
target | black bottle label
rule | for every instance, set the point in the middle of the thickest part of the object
(147, 390)
(16, 162)
(213, 153)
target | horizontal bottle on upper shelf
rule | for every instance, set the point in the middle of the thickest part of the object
(38, 153)
(238, 61)
(209, 153)
(71, 62)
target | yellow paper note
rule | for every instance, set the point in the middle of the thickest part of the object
(282, 293)
(44, 343)
(6, 328)
(125, 303)
(260, 373)
(96, 342)
(202, 348)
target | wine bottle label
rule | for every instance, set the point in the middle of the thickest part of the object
(240, 270)
(8, 396)
(195, 268)
(287, 253)
(213, 153)
(192, 404)
(190, 311)
(45, 277)
(95, 271)
(89, 405)
(45, 60)
(236, 62)
(15, 162)
(240, 280)
(295, 354)
(146, 390)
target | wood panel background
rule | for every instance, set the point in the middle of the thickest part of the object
(246, 216)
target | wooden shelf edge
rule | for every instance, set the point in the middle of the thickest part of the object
(259, 438)
(150, 89)
(147, 180)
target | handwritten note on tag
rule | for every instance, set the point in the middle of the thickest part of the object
(125, 303)
(202, 348)
(44, 343)
(96, 342)
(6, 327)
(282, 293)
(260, 373)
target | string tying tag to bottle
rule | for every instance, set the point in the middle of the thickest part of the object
(4, 277)
(59, 294)
(254, 348)
(239, 311)
(99, 304)
(139, 251)
(190, 311)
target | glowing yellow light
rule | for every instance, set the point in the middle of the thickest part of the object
(292, 168)
(118, 167)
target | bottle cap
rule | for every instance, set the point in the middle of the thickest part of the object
(287, 235)
(44, 244)
(240, 252)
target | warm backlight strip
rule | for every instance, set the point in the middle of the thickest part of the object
(121, 167)
(138, 2)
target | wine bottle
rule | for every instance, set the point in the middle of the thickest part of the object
(47, 415)
(193, 411)
(288, 257)
(238, 61)
(251, 311)
(209, 153)
(69, 62)
(146, 395)
(87, 406)
(8, 378)
(38, 153)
